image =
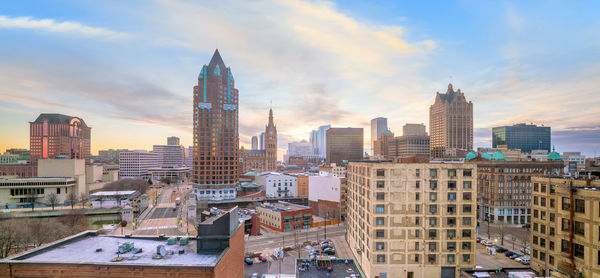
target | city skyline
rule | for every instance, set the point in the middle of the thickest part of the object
(130, 79)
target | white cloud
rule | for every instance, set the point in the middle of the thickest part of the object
(64, 27)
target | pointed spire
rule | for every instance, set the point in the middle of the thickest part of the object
(271, 117)
(216, 62)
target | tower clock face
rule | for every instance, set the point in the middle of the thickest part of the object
(271, 132)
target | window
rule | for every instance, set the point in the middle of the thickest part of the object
(416, 245)
(579, 228)
(433, 173)
(566, 203)
(450, 258)
(551, 245)
(418, 172)
(417, 196)
(380, 208)
(58, 190)
(579, 205)
(564, 246)
(578, 250)
(466, 233)
(432, 246)
(542, 201)
(467, 185)
(418, 184)
(379, 233)
(452, 173)
(451, 209)
(417, 233)
(379, 246)
(467, 258)
(565, 224)
(381, 258)
(432, 196)
(466, 221)
(433, 185)
(417, 208)
(381, 172)
(432, 233)
(542, 242)
(467, 172)
(451, 233)
(380, 196)
(466, 246)
(380, 184)
(431, 258)
(451, 221)
(552, 231)
(466, 196)
(551, 260)
(433, 208)
(451, 185)
(466, 209)
(551, 217)
(379, 221)
(451, 246)
(416, 258)
(452, 196)
(432, 221)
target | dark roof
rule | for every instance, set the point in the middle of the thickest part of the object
(57, 118)
(215, 61)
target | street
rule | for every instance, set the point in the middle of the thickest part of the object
(165, 217)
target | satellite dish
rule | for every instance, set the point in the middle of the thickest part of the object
(161, 250)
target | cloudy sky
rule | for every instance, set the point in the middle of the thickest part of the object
(128, 68)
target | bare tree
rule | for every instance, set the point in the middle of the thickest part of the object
(501, 229)
(8, 234)
(31, 196)
(52, 198)
(82, 199)
(72, 198)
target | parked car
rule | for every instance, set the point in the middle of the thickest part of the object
(514, 256)
(526, 226)
(520, 259)
(501, 249)
(526, 261)
(525, 251)
(254, 275)
(329, 251)
(248, 261)
(479, 239)
(509, 253)
(483, 241)
(262, 258)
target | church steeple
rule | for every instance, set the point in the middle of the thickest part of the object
(271, 117)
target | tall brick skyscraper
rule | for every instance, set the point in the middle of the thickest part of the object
(53, 135)
(451, 125)
(216, 137)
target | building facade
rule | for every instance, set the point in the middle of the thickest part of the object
(284, 216)
(170, 155)
(411, 219)
(57, 135)
(522, 136)
(278, 185)
(451, 125)
(21, 192)
(378, 126)
(381, 145)
(324, 195)
(408, 145)
(565, 228)
(414, 129)
(319, 140)
(137, 164)
(504, 187)
(344, 144)
(216, 137)
(254, 142)
(265, 159)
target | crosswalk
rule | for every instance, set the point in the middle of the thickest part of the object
(157, 227)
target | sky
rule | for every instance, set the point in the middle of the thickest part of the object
(128, 67)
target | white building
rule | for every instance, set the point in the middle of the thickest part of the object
(302, 148)
(324, 187)
(72, 168)
(574, 156)
(214, 194)
(190, 157)
(338, 171)
(18, 192)
(278, 184)
(170, 155)
(137, 164)
(109, 199)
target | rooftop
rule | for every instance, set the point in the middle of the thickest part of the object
(91, 248)
(282, 206)
(521, 272)
(57, 118)
(112, 193)
(341, 268)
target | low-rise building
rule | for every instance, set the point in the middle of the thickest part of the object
(21, 170)
(284, 216)
(565, 228)
(137, 164)
(324, 195)
(411, 219)
(327, 267)
(278, 185)
(512, 272)
(217, 251)
(109, 199)
(22, 192)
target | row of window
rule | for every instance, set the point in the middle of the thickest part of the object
(432, 233)
(431, 258)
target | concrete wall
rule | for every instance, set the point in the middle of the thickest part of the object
(93, 173)
(65, 168)
(324, 188)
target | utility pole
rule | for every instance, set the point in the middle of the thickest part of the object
(281, 252)
(326, 215)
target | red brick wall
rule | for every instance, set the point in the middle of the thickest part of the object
(232, 264)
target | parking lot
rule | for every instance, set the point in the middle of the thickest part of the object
(485, 260)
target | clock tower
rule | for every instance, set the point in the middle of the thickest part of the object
(271, 144)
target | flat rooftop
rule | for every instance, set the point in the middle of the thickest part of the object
(341, 268)
(283, 206)
(504, 273)
(82, 249)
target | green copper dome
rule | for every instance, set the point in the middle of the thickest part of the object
(487, 156)
(554, 156)
(498, 155)
(470, 156)
(387, 132)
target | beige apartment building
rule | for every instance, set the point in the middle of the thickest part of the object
(565, 230)
(412, 219)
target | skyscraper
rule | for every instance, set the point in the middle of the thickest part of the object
(522, 136)
(451, 125)
(171, 154)
(262, 140)
(378, 126)
(216, 138)
(53, 135)
(319, 140)
(255, 142)
(344, 144)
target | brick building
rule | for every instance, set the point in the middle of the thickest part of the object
(53, 135)
(451, 125)
(284, 216)
(264, 159)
